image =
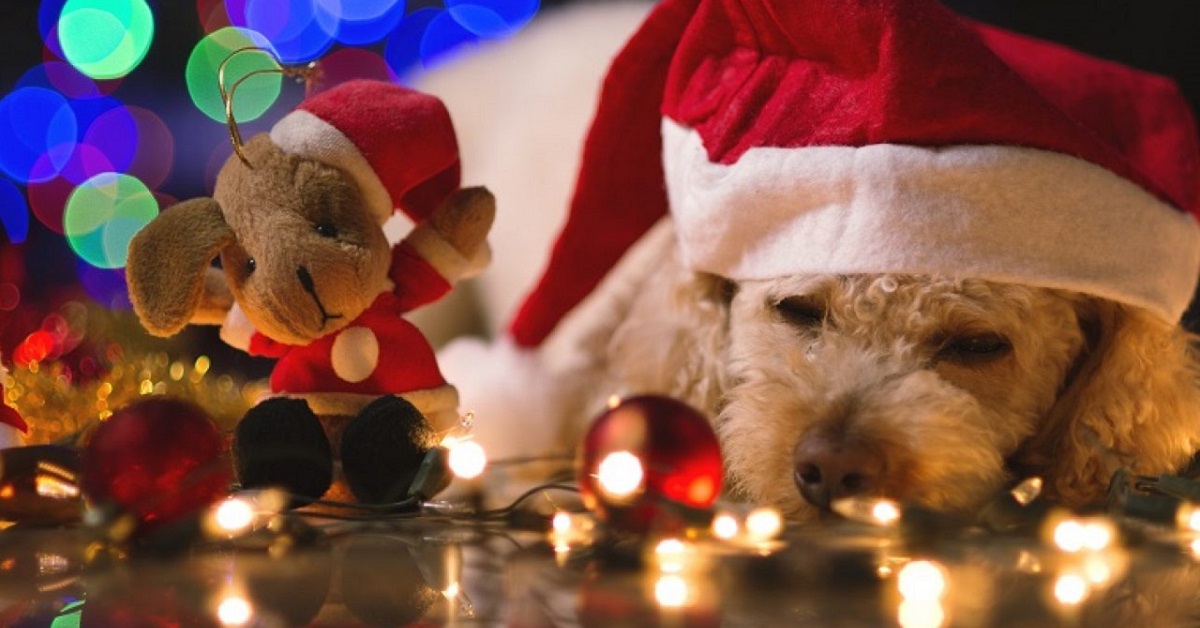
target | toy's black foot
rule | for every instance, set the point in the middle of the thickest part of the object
(281, 443)
(382, 449)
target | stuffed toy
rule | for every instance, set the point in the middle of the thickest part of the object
(14, 427)
(307, 277)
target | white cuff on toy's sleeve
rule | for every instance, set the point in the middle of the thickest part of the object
(237, 329)
(445, 259)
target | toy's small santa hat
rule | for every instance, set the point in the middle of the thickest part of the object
(398, 145)
(868, 136)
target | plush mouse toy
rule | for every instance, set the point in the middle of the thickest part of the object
(307, 277)
(12, 426)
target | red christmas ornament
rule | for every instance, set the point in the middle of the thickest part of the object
(650, 462)
(160, 459)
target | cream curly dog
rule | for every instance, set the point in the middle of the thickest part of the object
(923, 389)
(926, 388)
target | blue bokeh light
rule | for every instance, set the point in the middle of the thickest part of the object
(115, 133)
(14, 212)
(364, 22)
(492, 19)
(38, 131)
(403, 49)
(299, 30)
(48, 14)
(443, 37)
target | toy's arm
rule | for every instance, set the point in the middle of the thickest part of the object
(417, 281)
(449, 246)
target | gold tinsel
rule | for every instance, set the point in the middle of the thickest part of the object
(57, 409)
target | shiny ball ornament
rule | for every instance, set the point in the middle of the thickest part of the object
(159, 459)
(650, 463)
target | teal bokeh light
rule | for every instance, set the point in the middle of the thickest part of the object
(254, 96)
(105, 39)
(103, 214)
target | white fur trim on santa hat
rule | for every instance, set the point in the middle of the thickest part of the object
(304, 134)
(1004, 213)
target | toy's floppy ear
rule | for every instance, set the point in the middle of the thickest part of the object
(169, 261)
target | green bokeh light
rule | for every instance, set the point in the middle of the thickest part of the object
(105, 39)
(103, 214)
(253, 96)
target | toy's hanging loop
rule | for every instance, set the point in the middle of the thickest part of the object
(307, 73)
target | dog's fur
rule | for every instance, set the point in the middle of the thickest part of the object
(954, 386)
(950, 387)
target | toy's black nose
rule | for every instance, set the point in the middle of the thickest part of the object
(828, 468)
(305, 279)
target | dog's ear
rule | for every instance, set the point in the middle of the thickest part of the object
(1133, 402)
(674, 337)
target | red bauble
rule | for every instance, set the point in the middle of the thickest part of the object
(160, 459)
(650, 462)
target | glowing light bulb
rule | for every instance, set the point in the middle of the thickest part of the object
(876, 511)
(1097, 569)
(234, 611)
(620, 474)
(671, 591)
(885, 512)
(763, 524)
(1068, 535)
(1075, 535)
(1098, 535)
(1188, 517)
(921, 581)
(920, 614)
(467, 459)
(725, 526)
(1070, 589)
(561, 523)
(672, 554)
(1028, 490)
(234, 515)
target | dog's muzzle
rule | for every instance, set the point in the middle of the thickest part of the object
(829, 468)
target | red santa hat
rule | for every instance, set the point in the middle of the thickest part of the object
(398, 145)
(869, 136)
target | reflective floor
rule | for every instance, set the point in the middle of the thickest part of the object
(437, 572)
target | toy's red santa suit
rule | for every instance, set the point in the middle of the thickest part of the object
(10, 417)
(399, 148)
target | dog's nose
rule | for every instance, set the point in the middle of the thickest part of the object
(827, 469)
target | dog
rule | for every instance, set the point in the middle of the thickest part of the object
(927, 389)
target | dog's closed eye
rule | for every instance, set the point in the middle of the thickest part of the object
(801, 312)
(975, 348)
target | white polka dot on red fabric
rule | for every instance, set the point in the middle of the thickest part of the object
(355, 354)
